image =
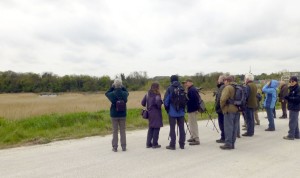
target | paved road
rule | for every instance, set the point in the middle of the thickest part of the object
(264, 155)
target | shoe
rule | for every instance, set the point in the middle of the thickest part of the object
(297, 137)
(156, 146)
(238, 136)
(182, 146)
(220, 141)
(226, 147)
(195, 143)
(269, 129)
(245, 128)
(114, 149)
(244, 125)
(257, 123)
(124, 149)
(288, 138)
(170, 148)
(282, 117)
(191, 140)
(246, 135)
(148, 146)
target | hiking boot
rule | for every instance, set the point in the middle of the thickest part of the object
(114, 149)
(156, 146)
(269, 129)
(191, 140)
(124, 149)
(246, 135)
(170, 148)
(195, 143)
(226, 147)
(220, 141)
(288, 138)
(182, 146)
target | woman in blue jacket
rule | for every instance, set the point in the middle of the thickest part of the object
(270, 91)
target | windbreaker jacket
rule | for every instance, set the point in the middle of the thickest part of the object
(169, 106)
(193, 99)
(293, 98)
(113, 94)
(270, 93)
(228, 93)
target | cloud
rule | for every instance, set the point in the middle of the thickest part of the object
(161, 37)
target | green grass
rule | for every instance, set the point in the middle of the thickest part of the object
(47, 128)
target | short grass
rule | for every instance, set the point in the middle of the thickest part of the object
(47, 128)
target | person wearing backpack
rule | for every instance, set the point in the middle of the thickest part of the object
(192, 110)
(174, 103)
(152, 101)
(231, 113)
(251, 104)
(220, 87)
(269, 104)
(293, 99)
(117, 95)
(282, 93)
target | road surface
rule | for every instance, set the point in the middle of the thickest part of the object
(265, 154)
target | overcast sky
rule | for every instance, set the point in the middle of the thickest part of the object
(161, 37)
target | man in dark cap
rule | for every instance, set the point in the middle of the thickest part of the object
(192, 110)
(293, 99)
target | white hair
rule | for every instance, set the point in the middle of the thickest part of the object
(117, 83)
(249, 77)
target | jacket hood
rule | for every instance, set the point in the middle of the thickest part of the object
(175, 84)
(274, 84)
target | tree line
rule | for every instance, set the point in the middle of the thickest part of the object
(13, 82)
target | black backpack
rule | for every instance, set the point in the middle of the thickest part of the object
(240, 97)
(178, 97)
(120, 104)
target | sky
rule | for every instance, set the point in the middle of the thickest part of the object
(160, 37)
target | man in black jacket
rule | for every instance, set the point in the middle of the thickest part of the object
(293, 99)
(192, 110)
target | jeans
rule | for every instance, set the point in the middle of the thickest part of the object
(116, 124)
(270, 117)
(293, 124)
(231, 123)
(221, 125)
(180, 123)
(250, 121)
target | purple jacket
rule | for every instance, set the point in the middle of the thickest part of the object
(154, 103)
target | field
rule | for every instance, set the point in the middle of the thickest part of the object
(25, 105)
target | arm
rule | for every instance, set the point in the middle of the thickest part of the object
(143, 103)
(224, 97)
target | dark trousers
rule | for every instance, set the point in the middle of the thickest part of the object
(221, 125)
(180, 124)
(283, 107)
(293, 124)
(152, 136)
(250, 121)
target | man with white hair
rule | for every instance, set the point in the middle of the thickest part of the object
(251, 104)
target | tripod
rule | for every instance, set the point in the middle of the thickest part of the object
(213, 121)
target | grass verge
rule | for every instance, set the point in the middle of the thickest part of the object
(48, 128)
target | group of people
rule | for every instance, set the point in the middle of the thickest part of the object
(228, 112)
